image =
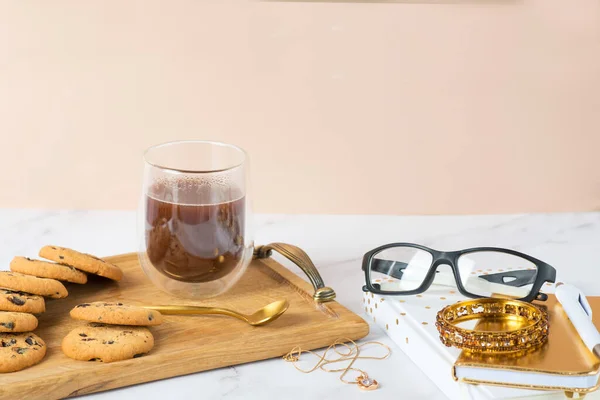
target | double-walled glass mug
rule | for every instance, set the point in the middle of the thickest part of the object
(195, 217)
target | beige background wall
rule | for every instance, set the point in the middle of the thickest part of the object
(362, 107)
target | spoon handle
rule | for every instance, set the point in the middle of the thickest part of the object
(189, 310)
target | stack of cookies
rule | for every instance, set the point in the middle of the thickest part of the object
(22, 292)
(79, 262)
(114, 332)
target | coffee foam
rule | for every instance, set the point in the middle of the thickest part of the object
(193, 190)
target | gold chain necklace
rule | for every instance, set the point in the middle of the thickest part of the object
(347, 350)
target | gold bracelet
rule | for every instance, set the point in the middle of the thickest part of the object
(517, 325)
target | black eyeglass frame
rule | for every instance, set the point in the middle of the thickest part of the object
(545, 272)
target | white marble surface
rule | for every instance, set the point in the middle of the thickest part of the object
(569, 242)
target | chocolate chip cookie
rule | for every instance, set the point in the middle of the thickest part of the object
(82, 261)
(34, 285)
(45, 269)
(17, 322)
(107, 343)
(20, 350)
(116, 314)
(12, 300)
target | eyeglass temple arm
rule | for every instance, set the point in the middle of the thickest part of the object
(520, 277)
(395, 269)
(388, 267)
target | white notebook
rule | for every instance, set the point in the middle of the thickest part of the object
(410, 322)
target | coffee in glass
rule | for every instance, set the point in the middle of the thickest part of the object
(195, 212)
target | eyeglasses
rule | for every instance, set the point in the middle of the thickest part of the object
(407, 268)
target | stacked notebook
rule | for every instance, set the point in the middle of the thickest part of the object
(562, 365)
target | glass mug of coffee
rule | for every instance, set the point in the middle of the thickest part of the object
(195, 217)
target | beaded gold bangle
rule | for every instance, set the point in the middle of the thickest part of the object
(516, 325)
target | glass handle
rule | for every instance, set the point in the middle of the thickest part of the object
(301, 259)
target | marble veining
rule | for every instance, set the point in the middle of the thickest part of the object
(570, 242)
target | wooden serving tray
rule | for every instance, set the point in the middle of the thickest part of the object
(183, 344)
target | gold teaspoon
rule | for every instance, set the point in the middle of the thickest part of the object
(263, 316)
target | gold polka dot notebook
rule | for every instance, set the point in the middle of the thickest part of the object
(410, 322)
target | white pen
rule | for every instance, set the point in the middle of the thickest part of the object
(578, 310)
